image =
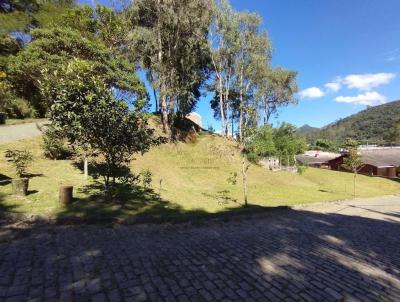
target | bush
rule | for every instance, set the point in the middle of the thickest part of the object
(20, 108)
(54, 144)
(301, 169)
(20, 160)
(146, 178)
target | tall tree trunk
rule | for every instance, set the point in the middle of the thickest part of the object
(155, 99)
(227, 107)
(164, 113)
(265, 113)
(244, 176)
(85, 166)
(241, 107)
(232, 126)
(227, 118)
(241, 124)
(163, 96)
(221, 103)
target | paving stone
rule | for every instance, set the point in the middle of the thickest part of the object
(290, 256)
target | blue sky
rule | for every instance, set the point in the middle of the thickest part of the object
(351, 45)
(325, 40)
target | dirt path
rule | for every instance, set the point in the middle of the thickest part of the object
(17, 132)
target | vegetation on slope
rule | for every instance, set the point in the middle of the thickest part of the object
(371, 126)
(188, 179)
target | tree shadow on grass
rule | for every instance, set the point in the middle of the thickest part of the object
(223, 198)
(32, 175)
(4, 208)
(4, 180)
(142, 205)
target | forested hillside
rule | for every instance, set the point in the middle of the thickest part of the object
(373, 125)
(306, 130)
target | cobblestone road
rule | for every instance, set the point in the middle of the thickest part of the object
(293, 255)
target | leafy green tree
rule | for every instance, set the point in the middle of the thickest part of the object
(51, 49)
(276, 88)
(261, 144)
(9, 46)
(350, 144)
(88, 115)
(325, 145)
(169, 38)
(287, 143)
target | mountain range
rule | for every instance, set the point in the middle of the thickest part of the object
(371, 126)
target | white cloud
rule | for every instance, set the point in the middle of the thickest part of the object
(393, 55)
(393, 58)
(333, 86)
(370, 98)
(311, 93)
(367, 81)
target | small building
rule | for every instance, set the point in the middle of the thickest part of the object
(195, 118)
(271, 163)
(317, 159)
(378, 161)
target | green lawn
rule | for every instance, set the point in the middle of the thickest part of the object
(193, 182)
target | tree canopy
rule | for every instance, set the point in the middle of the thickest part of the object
(169, 39)
(82, 32)
(87, 114)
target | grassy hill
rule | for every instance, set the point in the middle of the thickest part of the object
(370, 125)
(191, 179)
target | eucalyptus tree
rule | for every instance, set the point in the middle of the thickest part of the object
(224, 44)
(169, 38)
(251, 62)
(277, 88)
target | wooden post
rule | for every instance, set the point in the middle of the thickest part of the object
(3, 118)
(20, 186)
(65, 194)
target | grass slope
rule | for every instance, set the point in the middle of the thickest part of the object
(191, 179)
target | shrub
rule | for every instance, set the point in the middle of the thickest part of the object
(54, 144)
(146, 178)
(20, 160)
(20, 108)
(301, 168)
